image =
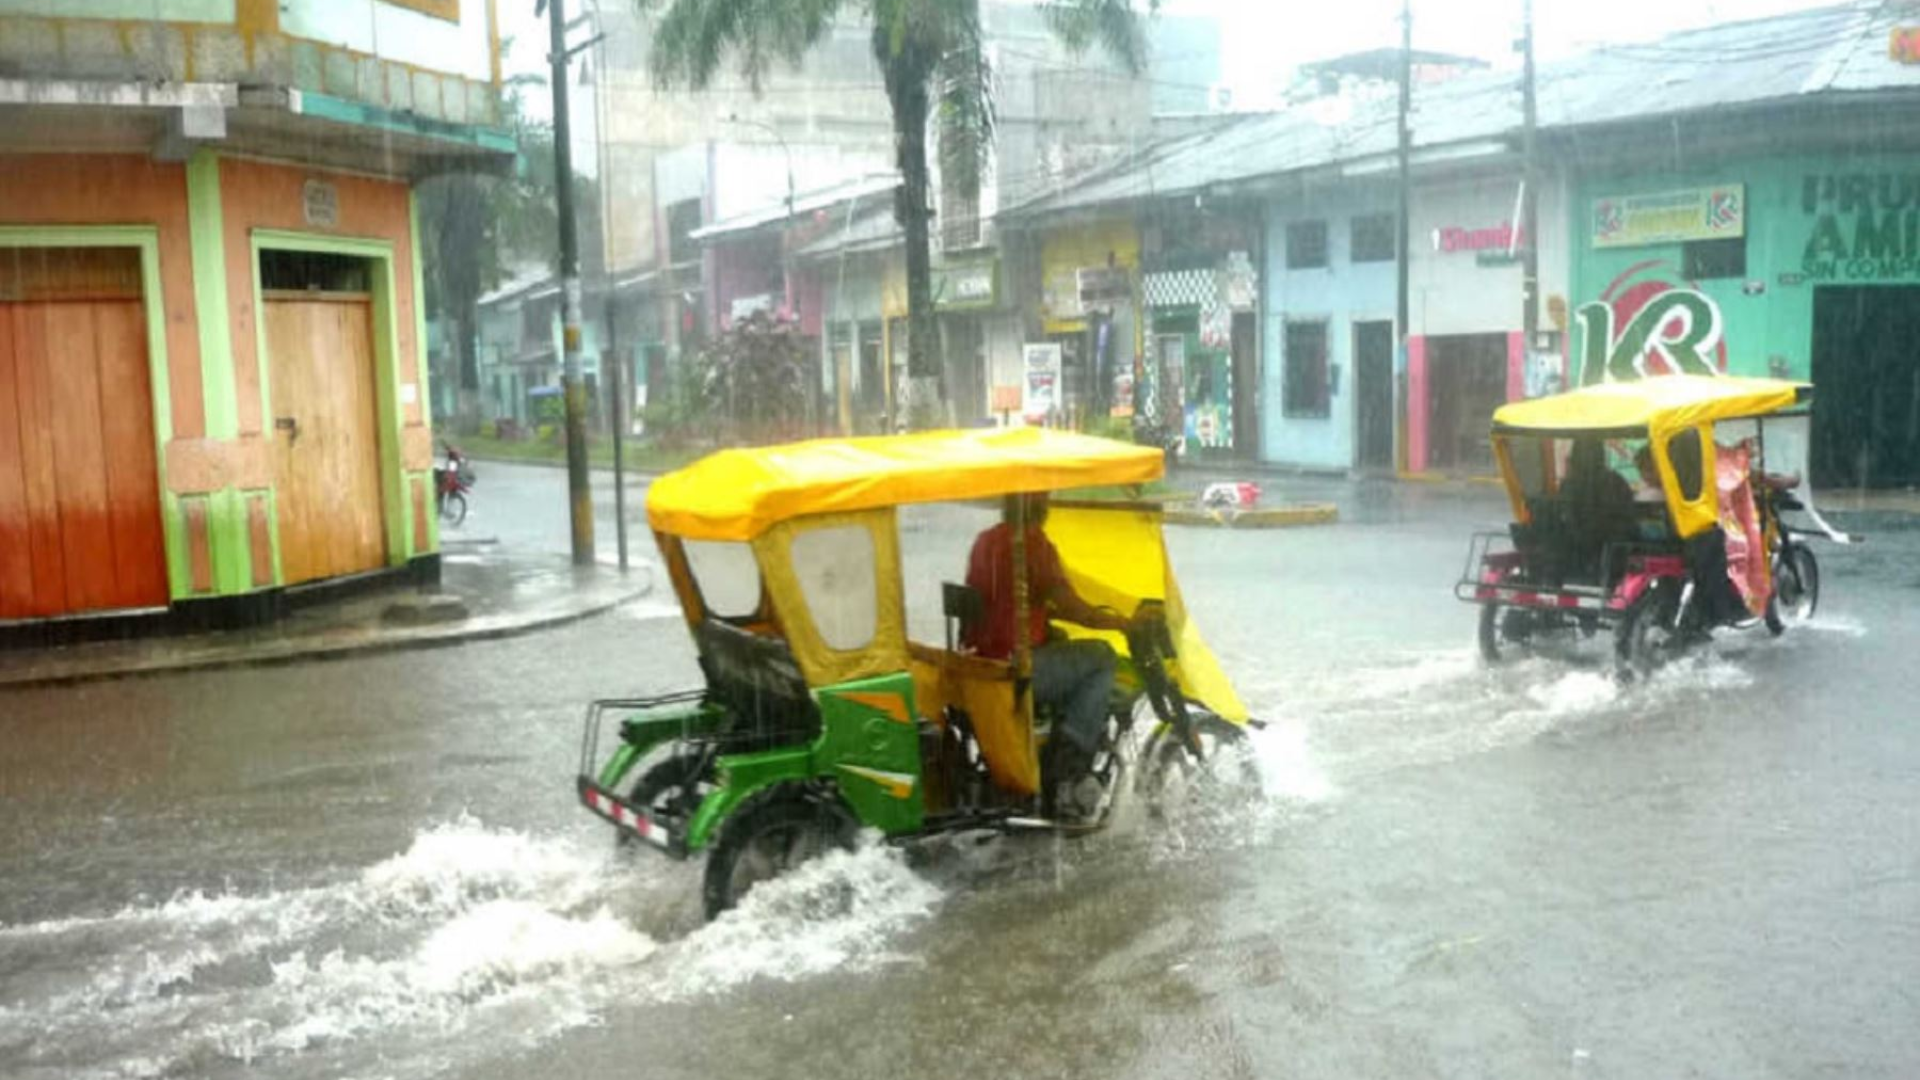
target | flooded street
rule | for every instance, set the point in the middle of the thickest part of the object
(376, 867)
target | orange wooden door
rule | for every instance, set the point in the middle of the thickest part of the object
(326, 449)
(79, 488)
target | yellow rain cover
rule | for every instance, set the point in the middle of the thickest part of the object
(1661, 404)
(1116, 558)
(737, 494)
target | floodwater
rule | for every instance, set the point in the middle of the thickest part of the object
(374, 867)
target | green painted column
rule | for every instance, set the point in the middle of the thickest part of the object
(226, 509)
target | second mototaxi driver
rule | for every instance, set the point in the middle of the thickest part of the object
(1075, 678)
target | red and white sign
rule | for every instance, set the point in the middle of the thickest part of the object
(1495, 238)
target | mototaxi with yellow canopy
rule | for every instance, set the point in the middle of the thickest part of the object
(819, 714)
(1701, 545)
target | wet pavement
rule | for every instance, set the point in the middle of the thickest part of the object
(374, 867)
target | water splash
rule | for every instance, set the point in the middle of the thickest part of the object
(471, 938)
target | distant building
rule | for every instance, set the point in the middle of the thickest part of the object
(210, 294)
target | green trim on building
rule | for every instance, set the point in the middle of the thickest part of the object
(146, 238)
(341, 110)
(207, 235)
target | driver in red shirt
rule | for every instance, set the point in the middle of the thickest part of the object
(1074, 678)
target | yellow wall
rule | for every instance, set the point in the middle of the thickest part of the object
(1064, 251)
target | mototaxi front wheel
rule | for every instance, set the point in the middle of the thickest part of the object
(769, 835)
(1796, 589)
(453, 508)
(1219, 764)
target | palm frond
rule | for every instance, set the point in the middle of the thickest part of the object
(964, 116)
(1114, 25)
(696, 38)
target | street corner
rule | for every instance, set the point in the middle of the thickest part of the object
(480, 596)
(1259, 517)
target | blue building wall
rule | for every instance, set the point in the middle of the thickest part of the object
(1340, 293)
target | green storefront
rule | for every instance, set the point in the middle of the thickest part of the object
(1802, 267)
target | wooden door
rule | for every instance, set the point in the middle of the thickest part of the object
(79, 487)
(1373, 393)
(1245, 352)
(326, 445)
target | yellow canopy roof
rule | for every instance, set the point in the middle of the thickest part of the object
(737, 494)
(1658, 401)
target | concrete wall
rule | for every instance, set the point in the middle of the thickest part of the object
(396, 33)
(364, 51)
(1457, 292)
(206, 11)
(1342, 293)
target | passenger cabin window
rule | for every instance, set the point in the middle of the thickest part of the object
(1685, 452)
(840, 584)
(727, 576)
(1306, 245)
(1529, 455)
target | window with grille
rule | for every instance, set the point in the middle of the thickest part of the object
(1372, 238)
(1306, 245)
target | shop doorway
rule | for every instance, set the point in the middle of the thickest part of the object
(966, 370)
(1466, 381)
(1373, 394)
(317, 323)
(1866, 374)
(1245, 346)
(79, 487)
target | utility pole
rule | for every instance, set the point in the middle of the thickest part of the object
(1401, 298)
(579, 491)
(1529, 188)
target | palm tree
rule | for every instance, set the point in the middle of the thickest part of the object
(934, 68)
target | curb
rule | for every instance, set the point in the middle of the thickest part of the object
(631, 475)
(289, 652)
(1276, 517)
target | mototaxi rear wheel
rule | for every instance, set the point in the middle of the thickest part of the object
(771, 834)
(1648, 635)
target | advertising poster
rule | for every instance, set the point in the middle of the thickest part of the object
(1040, 388)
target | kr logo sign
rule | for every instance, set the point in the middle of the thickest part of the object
(1645, 324)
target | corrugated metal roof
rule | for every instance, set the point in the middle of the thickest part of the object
(1835, 49)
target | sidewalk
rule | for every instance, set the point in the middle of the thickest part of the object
(484, 593)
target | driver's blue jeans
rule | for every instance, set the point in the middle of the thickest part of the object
(1075, 679)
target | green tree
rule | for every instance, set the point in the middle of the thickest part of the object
(936, 75)
(476, 228)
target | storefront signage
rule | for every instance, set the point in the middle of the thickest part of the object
(1239, 282)
(1040, 380)
(1670, 217)
(964, 286)
(744, 306)
(1865, 226)
(320, 204)
(1096, 285)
